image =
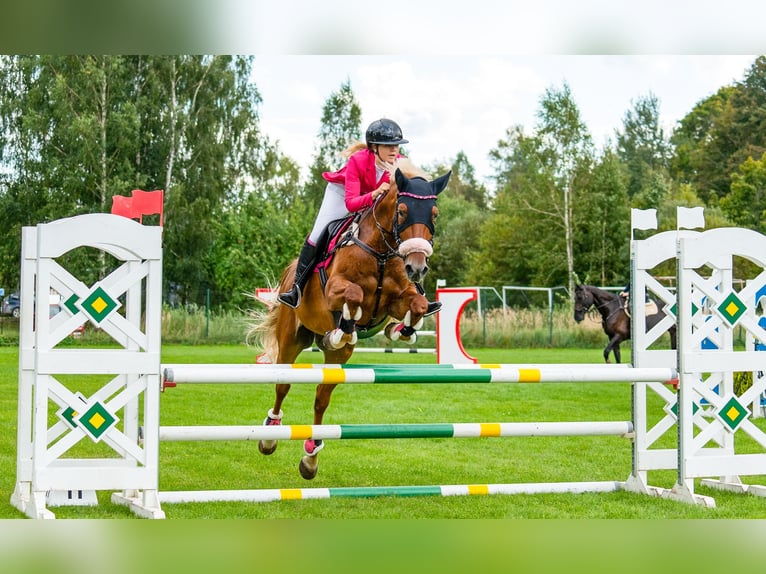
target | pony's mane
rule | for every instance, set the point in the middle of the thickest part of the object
(410, 169)
(603, 292)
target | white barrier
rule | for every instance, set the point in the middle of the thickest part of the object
(111, 417)
(127, 305)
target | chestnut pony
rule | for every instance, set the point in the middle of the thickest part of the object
(367, 284)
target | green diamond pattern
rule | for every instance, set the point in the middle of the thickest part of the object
(68, 413)
(99, 305)
(732, 413)
(732, 308)
(674, 309)
(670, 310)
(674, 409)
(97, 420)
(70, 304)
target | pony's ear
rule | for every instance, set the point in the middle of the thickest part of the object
(401, 180)
(440, 183)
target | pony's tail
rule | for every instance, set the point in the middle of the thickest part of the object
(263, 323)
(262, 332)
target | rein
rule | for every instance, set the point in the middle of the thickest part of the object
(381, 258)
(391, 251)
(600, 306)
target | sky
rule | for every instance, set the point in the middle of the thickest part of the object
(466, 102)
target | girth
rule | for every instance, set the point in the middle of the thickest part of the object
(382, 259)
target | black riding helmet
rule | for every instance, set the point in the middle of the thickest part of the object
(384, 131)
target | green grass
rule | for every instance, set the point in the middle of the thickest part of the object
(239, 465)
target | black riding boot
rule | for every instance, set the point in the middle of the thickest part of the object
(433, 306)
(306, 259)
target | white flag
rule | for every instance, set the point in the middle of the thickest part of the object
(690, 217)
(643, 218)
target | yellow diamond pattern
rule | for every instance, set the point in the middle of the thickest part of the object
(732, 413)
(732, 308)
(97, 420)
(99, 305)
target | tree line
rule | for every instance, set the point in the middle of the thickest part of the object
(76, 130)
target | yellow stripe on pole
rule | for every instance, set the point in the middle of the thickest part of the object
(529, 375)
(290, 493)
(300, 431)
(490, 429)
(489, 366)
(478, 489)
(333, 376)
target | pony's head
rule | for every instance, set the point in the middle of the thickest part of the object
(583, 302)
(414, 222)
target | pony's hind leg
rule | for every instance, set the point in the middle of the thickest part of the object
(274, 418)
(289, 349)
(309, 463)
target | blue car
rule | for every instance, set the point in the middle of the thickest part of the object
(11, 305)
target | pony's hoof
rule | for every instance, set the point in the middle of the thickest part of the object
(271, 420)
(307, 470)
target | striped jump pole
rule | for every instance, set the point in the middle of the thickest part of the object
(395, 431)
(401, 374)
(277, 494)
(386, 350)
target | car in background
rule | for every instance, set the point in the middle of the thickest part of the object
(11, 305)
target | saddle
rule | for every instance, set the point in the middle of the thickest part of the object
(338, 233)
(650, 307)
(335, 234)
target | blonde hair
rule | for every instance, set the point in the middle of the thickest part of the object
(352, 149)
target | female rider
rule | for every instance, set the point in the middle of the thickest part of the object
(354, 187)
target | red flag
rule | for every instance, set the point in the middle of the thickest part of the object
(122, 205)
(147, 203)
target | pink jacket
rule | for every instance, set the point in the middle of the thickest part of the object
(358, 179)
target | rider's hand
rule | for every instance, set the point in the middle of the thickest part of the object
(381, 190)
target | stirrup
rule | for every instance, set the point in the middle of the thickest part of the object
(433, 307)
(291, 298)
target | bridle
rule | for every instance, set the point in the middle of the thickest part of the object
(415, 212)
(579, 307)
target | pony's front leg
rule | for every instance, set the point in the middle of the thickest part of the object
(349, 301)
(613, 346)
(406, 330)
(309, 463)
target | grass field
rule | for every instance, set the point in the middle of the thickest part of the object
(239, 465)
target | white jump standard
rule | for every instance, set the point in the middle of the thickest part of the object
(123, 415)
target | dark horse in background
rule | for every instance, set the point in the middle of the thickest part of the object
(614, 320)
(369, 283)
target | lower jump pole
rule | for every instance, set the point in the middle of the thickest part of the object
(388, 431)
(276, 494)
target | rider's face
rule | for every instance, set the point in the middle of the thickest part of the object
(387, 152)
